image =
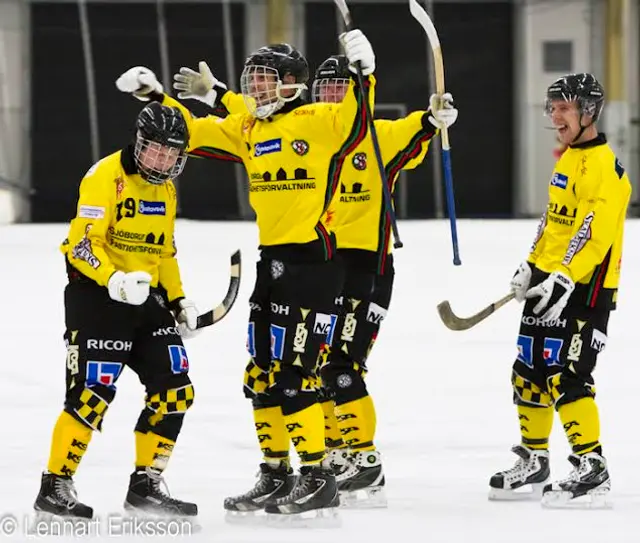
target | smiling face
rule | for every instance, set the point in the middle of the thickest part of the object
(571, 125)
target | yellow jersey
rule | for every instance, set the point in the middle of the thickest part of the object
(124, 223)
(293, 159)
(581, 232)
(357, 213)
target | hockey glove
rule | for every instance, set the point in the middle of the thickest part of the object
(186, 317)
(140, 82)
(554, 294)
(443, 114)
(357, 48)
(520, 281)
(202, 85)
(129, 288)
(256, 380)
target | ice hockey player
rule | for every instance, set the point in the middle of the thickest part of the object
(362, 227)
(293, 153)
(122, 300)
(570, 284)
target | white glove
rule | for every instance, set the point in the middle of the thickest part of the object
(520, 281)
(202, 85)
(140, 82)
(357, 48)
(443, 114)
(187, 319)
(554, 292)
(129, 288)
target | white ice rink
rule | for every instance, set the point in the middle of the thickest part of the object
(445, 418)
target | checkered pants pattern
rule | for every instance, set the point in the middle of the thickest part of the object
(172, 401)
(92, 409)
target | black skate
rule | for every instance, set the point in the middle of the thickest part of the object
(315, 493)
(361, 484)
(57, 497)
(338, 460)
(274, 483)
(525, 479)
(146, 495)
(589, 479)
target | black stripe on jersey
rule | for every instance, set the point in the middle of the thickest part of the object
(393, 168)
(597, 280)
(619, 169)
(213, 153)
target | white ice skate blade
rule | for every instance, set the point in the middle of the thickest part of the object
(560, 499)
(365, 498)
(524, 493)
(327, 517)
(246, 518)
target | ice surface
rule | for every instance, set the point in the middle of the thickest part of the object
(445, 418)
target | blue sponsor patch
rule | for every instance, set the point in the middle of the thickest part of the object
(278, 334)
(152, 208)
(179, 360)
(559, 180)
(269, 146)
(251, 339)
(103, 373)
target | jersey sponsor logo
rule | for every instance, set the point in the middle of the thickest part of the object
(102, 373)
(109, 344)
(269, 146)
(598, 340)
(152, 208)
(577, 243)
(91, 212)
(355, 194)
(322, 324)
(178, 358)
(84, 251)
(559, 180)
(376, 313)
(168, 331)
(278, 334)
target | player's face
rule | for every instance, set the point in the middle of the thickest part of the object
(332, 91)
(157, 157)
(565, 117)
(262, 87)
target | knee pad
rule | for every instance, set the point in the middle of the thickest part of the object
(525, 392)
(89, 404)
(343, 383)
(164, 411)
(566, 387)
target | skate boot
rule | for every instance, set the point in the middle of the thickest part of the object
(338, 460)
(361, 484)
(146, 495)
(589, 480)
(525, 479)
(274, 483)
(315, 492)
(58, 497)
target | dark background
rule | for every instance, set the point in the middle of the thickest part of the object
(476, 41)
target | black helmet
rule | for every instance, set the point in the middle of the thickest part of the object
(164, 125)
(283, 58)
(262, 81)
(583, 88)
(335, 67)
(331, 80)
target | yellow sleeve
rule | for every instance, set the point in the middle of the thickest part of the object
(85, 245)
(404, 142)
(234, 102)
(537, 248)
(169, 270)
(602, 196)
(212, 137)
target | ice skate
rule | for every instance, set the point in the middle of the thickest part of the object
(587, 485)
(338, 460)
(273, 483)
(525, 480)
(147, 498)
(58, 498)
(312, 502)
(361, 484)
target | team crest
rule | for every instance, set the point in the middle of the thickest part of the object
(119, 187)
(360, 161)
(300, 147)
